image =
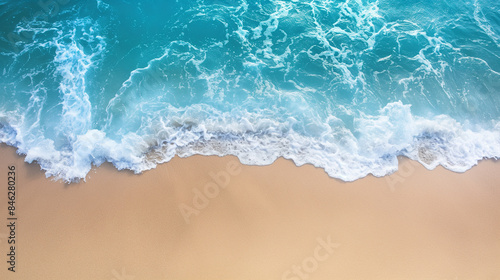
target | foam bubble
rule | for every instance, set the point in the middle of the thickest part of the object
(257, 140)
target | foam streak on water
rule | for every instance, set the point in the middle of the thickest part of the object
(345, 85)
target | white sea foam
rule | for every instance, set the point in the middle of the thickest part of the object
(256, 140)
(73, 63)
(483, 23)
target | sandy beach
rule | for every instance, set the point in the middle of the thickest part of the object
(213, 218)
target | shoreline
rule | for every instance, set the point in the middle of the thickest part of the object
(403, 161)
(209, 217)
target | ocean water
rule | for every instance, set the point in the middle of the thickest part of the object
(345, 85)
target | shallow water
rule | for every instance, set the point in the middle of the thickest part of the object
(345, 85)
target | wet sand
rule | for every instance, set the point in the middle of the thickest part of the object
(213, 218)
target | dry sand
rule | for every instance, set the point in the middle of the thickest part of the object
(269, 222)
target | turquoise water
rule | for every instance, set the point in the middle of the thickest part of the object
(345, 85)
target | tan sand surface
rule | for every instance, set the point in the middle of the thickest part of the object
(259, 222)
